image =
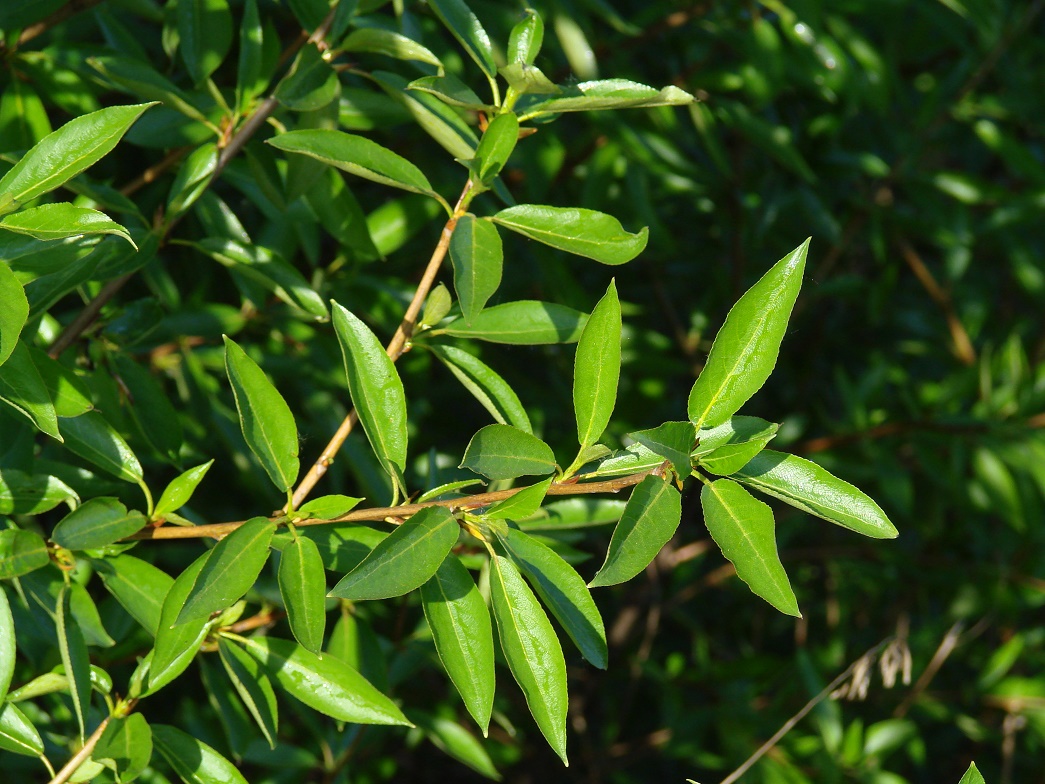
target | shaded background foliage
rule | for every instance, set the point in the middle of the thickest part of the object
(905, 137)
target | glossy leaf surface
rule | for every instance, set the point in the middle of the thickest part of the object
(469, 32)
(176, 646)
(672, 441)
(486, 386)
(603, 94)
(205, 35)
(14, 310)
(95, 440)
(22, 493)
(596, 369)
(523, 504)
(75, 659)
(595, 235)
(192, 759)
(22, 388)
(17, 733)
(253, 687)
(525, 322)
(303, 586)
(21, 552)
(478, 258)
(180, 490)
(505, 452)
(95, 523)
(8, 647)
(57, 221)
(138, 586)
(728, 447)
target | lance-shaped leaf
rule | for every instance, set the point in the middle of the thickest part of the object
(21, 552)
(486, 386)
(267, 422)
(463, 636)
(354, 641)
(17, 733)
(610, 94)
(150, 406)
(525, 322)
(505, 452)
(469, 32)
(75, 659)
(744, 531)
(478, 258)
(205, 35)
(22, 493)
(96, 523)
(357, 155)
(375, 387)
(232, 567)
(57, 221)
(390, 43)
(528, 80)
(249, 80)
(746, 347)
(225, 702)
(192, 759)
(453, 739)
(326, 684)
(532, 650)
(595, 235)
(14, 310)
(303, 586)
(728, 447)
(311, 83)
(176, 646)
(138, 586)
(22, 388)
(253, 687)
(91, 437)
(563, 592)
(404, 560)
(650, 519)
(180, 490)
(495, 147)
(193, 179)
(68, 392)
(450, 90)
(521, 505)
(972, 775)
(672, 441)
(7, 644)
(63, 154)
(815, 490)
(327, 507)
(443, 123)
(127, 745)
(596, 369)
(524, 42)
(133, 76)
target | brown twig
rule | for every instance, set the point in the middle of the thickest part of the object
(79, 757)
(963, 348)
(946, 647)
(398, 513)
(395, 349)
(72, 8)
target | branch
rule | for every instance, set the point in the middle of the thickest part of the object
(72, 8)
(963, 348)
(395, 349)
(78, 759)
(397, 513)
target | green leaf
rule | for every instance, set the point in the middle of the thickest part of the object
(8, 647)
(496, 147)
(327, 507)
(375, 387)
(744, 531)
(253, 687)
(138, 586)
(610, 94)
(63, 154)
(524, 503)
(451, 91)
(469, 32)
(437, 305)
(57, 221)
(447, 489)
(650, 519)
(525, 322)
(28, 494)
(311, 83)
(453, 739)
(265, 418)
(563, 592)
(486, 386)
(96, 523)
(531, 649)
(145, 82)
(22, 388)
(193, 178)
(746, 347)
(176, 646)
(390, 43)
(356, 155)
(528, 80)
(595, 235)
(180, 490)
(597, 369)
(443, 123)
(231, 568)
(463, 636)
(17, 733)
(91, 437)
(478, 257)
(354, 641)
(127, 741)
(505, 452)
(75, 659)
(404, 560)
(225, 702)
(66, 389)
(205, 35)
(14, 310)
(813, 489)
(249, 80)
(326, 684)
(303, 586)
(343, 546)
(85, 613)
(672, 441)
(192, 759)
(972, 775)
(524, 42)
(728, 447)
(21, 552)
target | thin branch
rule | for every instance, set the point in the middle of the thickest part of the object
(78, 759)
(946, 647)
(963, 348)
(395, 349)
(86, 317)
(72, 8)
(397, 514)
